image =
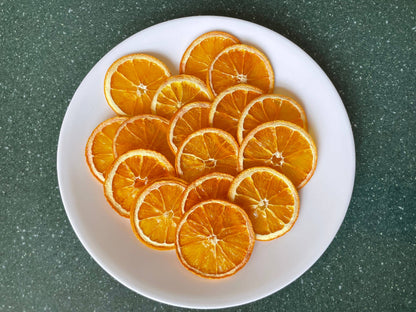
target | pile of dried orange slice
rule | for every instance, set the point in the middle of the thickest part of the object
(206, 161)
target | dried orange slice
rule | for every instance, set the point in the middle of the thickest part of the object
(143, 132)
(177, 91)
(202, 51)
(157, 213)
(269, 198)
(283, 146)
(130, 173)
(189, 118)
(131, 82)
(211, 186)
(269, 107)
(214, 239)
(205, 151)
(240, 63)
(228, 105)
(99, 148)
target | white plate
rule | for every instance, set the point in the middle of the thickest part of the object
(273, 265)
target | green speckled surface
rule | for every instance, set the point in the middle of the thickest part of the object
(367, 48)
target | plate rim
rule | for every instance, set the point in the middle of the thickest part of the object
(149, 295)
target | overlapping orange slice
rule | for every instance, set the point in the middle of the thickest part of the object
(177, 91)
(269, 107)
(188, 119)
(131, 82)
(283, 146)
(157, 213)
(240, 63)
(205, 151)
(269, 198)
(211, 186)
(202, 51)
(214, 239)
(99, 148)
(130, 173)
(143, 132)
(228, 105)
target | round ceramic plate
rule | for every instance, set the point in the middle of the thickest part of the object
(273, 265)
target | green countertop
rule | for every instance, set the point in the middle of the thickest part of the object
(367, 48)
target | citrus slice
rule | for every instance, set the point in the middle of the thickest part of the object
(228, 105)
(189, 118)
(202, 51)
(177, 91)
(269, 107)
(283, 146)
(211, 186)
(240, 63)
(214, 239)
(205, 151)
(130, 173)
(143, 132)
(269, 198)
(99, 148)
(131, 82)
(157, 213)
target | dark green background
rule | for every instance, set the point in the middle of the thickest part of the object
(367, 48)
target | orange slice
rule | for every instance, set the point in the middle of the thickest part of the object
(205, 151)
(283, 146)
(99, 148)
(143, 132)
(211, 186)
(269, 198)
(177, 91)
(131, 82)
(189, 118)
(269, 107)
(214, 239)
(228, 105)
(202, 51)
(157, 213)
(130, 173)
(240, 63)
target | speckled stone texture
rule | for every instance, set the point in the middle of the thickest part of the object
(367, 48)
